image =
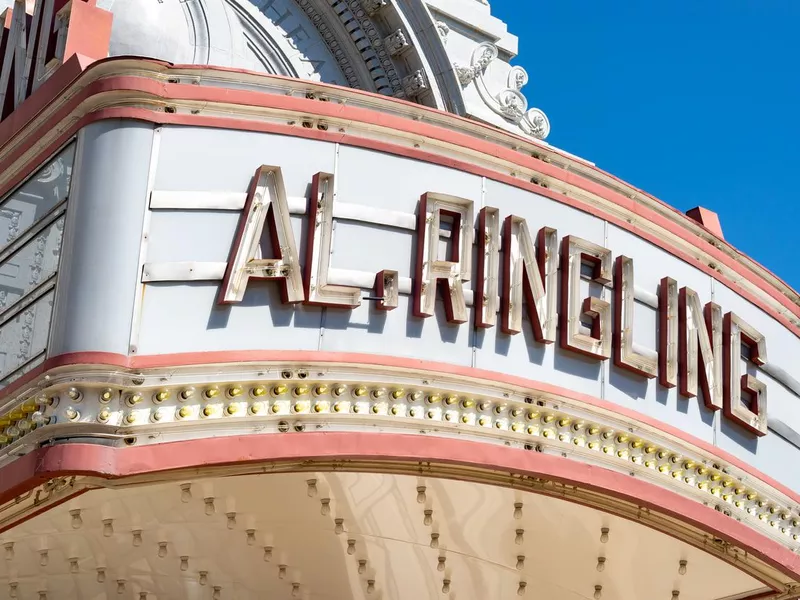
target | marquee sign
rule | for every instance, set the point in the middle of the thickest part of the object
(34, 46)
(698, 346)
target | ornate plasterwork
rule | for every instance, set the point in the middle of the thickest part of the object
(373, 6)
(356, 20)
(396, 42)
(443, 30)
(415, 84)
(509, 102)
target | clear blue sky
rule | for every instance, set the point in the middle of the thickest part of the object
(696, 102)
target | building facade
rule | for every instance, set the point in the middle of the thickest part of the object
(296, 301)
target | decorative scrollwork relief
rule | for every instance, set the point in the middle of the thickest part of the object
(510, 103)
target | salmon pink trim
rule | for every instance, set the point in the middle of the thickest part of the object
(113, 463)
(160, 361)
(294, 104)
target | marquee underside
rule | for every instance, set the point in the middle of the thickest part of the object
(280, 536)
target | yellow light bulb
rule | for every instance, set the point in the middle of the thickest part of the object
(593, 445)
(517, 427)
(663, 468)
(593, 430)
(563, 422)
(130, 419)
(548, 418)
(257, 408)
(208, 411)
(433, 398)
(279, 390)
(211, 392)
(231, 409)
(467, 403)
(398, 393)
(106, 395)
(360, 391)
(235, 391)
(184, 412)
(259, 391)
(450, 399)
(548, 433)
(161, 396)
(301, 390)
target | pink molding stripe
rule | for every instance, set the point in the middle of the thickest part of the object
(160, 361)
(249, 98)
(107, 462)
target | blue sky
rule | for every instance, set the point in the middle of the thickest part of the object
(696, 102)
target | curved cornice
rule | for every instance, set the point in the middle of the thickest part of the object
(231, 98)
(610, 492)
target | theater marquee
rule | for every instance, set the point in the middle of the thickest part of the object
(517, 271)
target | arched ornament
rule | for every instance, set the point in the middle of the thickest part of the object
(510, 103)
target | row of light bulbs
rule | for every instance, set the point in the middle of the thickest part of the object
(283, 399)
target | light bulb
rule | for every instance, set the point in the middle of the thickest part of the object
(598, 592)
(362, 566)
(446, 586)
(434, 540)
(682, 567)
(137, 537)
(518, 510)
(442, 563)
(339, 528)
(251, 537)
(231, 520)
(351, 547)
(9, 546)
(428, 520)
(44, 558)
(186, 492)
(604, 535)
(421, 494)
(520, 563)
(73, 565)
(120, 586)
(295, 590)
(209, 502)
(162, 549)
(281, 571)
(217, 593)
(203, 577)
(519, 538)
(184, 563)
(101, 575)
(312, 488)
(267, 553)
(370, 586)
(601, 564)
(76, 521)
(521, 588)
(325, 508)
(108, 527)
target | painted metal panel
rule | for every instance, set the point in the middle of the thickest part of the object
(102, 239)
(376, 200)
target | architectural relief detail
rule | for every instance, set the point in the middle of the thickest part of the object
(509, 103)
(355, 18)
(395, 43)
(415, 84)
(443, 30)
(333, 44)
(373, 6)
